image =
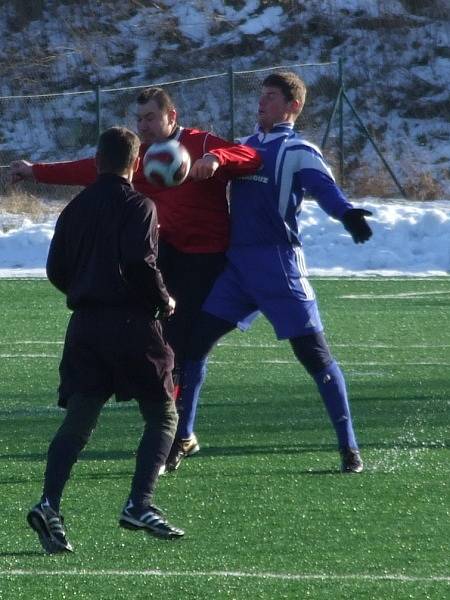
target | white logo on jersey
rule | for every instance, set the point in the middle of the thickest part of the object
(258, 178)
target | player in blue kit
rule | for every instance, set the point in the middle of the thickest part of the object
(266, 269)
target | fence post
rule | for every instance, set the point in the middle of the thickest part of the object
(330, 119)
(98, 110)
(231, 100)
(341, 120)
(372, 141)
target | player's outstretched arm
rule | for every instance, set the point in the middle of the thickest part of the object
(20, 170)
(354, 221)
(234, 158)
(75, 172)
(316, 178)
(204, 168)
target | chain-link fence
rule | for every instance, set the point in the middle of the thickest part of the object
(54, 127)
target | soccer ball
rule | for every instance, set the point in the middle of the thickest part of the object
(166, 164)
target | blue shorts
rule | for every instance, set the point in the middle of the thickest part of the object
(269, 279)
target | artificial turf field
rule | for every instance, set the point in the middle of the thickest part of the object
(266, 512)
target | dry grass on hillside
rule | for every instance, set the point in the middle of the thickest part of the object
(369, 180)
(20, 202)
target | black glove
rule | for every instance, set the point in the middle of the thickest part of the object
(355, 223)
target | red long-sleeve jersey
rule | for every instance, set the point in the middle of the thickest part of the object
(193, 217)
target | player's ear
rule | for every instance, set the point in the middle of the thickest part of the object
(296, 106)
(136, 163)
(171, 116)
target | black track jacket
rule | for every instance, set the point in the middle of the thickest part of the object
(104, 249)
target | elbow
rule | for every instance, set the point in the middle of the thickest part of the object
(57, 281)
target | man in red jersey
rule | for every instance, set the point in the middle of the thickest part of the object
(193, 217)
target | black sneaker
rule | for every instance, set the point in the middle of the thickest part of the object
(181, 448)
(150, 519)
(48, 524)
(351, 461)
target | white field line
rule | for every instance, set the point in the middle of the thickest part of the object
(379, 278)
(356, 345)
(254, 346)
(374, 277)
(30, 356)
(255, 363)
(399, 296)
(28, 342)
(396, 577)
(279, 361)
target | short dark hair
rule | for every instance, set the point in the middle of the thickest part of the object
(117, 149)
(159, 95)
(290, 84)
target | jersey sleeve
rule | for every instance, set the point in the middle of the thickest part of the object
(315, 177)
(234, 159)
(74, 172)
(138, 253)
(56, 267)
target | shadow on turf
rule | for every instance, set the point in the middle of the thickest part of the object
(94, 476)
(21, 553)
(231, 450)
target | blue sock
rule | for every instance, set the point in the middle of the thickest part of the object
(332, 388)
(194, 373)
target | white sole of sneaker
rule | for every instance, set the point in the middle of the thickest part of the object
(193, 451)
(163, 470)
(135, 525)
(47, 541)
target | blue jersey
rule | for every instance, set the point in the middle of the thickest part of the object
(265, 207)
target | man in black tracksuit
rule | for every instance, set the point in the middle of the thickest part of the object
(103, 258)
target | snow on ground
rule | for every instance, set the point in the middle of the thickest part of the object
(410, 239)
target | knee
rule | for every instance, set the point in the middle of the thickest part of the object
(194, 371)
(161, 416)
(70, 438)
(81, 418)
(313, 352)
(170, 417)
(207, 330)
(75, 432)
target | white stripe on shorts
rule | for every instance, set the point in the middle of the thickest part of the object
(303, 281)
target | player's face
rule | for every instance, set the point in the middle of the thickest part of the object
(274, 108)
(154, 124)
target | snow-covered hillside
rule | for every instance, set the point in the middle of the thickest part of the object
(397, 71)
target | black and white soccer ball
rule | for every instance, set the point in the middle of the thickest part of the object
(166, 164)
